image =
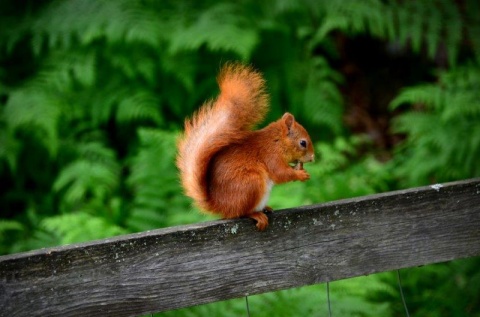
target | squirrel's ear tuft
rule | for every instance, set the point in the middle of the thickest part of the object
(288, 119)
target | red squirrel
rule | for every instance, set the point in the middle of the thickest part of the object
(226, 166)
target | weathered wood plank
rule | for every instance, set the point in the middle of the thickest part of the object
(189, 265)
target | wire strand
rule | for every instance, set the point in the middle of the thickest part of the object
(401, 293)
(328, 300)
(248, 308)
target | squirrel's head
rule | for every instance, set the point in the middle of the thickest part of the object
(300, 147)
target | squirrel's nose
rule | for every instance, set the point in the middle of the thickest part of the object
(310, 158)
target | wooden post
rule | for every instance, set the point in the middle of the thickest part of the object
(189, 265)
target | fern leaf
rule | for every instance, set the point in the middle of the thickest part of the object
(9, 148)
(60, 23)
(103, 103)
(354, 17)
(9, 225)
(79, 227)
(83, 68)
(154, 181)
(154, 157)
(216, 28)
(452, 113)
(286, 6)
(95, 173)
(426, 94)
(141, 219)
(322, 97)
(416, 23)
(139, 105)
(37, 109)
(433, 38)
(454, 26)
(331, 23)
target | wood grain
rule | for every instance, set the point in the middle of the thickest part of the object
(189, 265)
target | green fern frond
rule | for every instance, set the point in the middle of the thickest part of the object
(95, 173)
(96, 152)
(9, 230)
(9, 225)
(419, 23)
(134, 64)
(461, 88)
(443, 142)
(330, 24)
(152, 169)
(456, 93)
(141, 219)
(410, 26)
(101, 106)
(79, 227)
(141, 105)
(415, 123)
(465, 105)
(427, 94)
(156, 141)
(48, 101)
(64, 23)
(356, 17)
(154, 181)
(35, 109)
(279, 7)
(220, 28)
(472, 7)
(83, 177)
(9, 148)
(182, 67)
(63, 70)
(83, 67)
(322, 96)
(347, 175)
(145, 24)
(454, 28)
(123, 104)
(430, 24)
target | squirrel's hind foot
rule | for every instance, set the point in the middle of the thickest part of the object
(261, 218)
(267, 209)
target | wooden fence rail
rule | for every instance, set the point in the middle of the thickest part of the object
(189, 265)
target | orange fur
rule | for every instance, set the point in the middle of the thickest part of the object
(225, 166)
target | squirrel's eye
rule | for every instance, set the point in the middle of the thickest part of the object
(303, 143)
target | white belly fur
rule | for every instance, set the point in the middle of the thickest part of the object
(266, 196)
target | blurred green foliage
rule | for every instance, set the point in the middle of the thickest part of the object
(455, 291)
(346, 298)
(93, 95)
(445, 129)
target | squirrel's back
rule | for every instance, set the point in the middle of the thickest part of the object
(241, 105)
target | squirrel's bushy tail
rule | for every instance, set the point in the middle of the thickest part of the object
(242, 104)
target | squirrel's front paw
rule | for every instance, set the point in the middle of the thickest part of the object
(302, 175)
(298, 166)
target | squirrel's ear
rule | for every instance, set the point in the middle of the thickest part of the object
(288, 119)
